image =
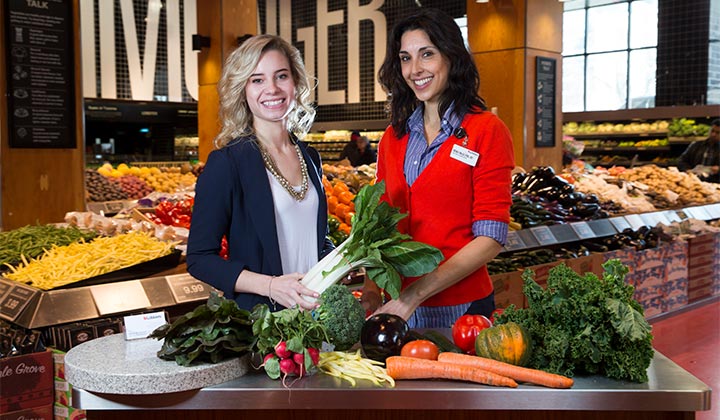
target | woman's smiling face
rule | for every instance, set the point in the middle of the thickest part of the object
(270, 91)
(424, 68)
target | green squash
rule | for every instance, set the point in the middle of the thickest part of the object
(509, 343)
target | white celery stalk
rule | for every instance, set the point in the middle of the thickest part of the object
(330, 270)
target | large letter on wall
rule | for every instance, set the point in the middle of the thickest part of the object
(307, 37)
(142, 78)
(108, 80)
(87, 47)
(174, 69)
(357, 13)
(324, 20)
(191, 60)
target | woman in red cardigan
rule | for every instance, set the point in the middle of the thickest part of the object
(447, 162)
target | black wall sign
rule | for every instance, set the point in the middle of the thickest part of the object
(544, 102)
(40, 73)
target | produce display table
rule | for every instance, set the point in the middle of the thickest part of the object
(671, 393)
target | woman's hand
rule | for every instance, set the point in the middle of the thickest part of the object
(287, 291)
(398, 307)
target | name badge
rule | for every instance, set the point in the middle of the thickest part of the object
(464, 155)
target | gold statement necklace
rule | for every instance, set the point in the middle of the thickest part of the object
(272, 167)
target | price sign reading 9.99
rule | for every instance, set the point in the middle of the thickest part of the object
(14, 301)
(186, 288)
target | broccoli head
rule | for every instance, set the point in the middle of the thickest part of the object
(342, 316)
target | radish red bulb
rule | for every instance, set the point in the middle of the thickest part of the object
(287, 366)
(268, 357)
(314, 355)
(282, 351)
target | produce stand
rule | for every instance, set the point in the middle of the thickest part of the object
(671, 393)
(33, 308)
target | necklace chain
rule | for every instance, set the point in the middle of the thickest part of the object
(272, 167)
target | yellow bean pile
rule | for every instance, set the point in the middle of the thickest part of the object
(63, 265)
(351, 366)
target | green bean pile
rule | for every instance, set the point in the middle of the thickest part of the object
(32, 241)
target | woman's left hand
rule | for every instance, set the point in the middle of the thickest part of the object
(288, 292)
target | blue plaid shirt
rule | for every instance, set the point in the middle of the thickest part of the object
(419, 155)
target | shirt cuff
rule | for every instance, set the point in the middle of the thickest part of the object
(492, 229)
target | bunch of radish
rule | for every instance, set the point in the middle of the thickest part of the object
(283, 362)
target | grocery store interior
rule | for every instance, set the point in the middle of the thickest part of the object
(110, 110)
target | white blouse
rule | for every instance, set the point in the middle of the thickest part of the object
(296, 227)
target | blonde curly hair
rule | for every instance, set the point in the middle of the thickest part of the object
(237, 120)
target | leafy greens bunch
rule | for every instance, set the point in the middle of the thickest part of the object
(583, 324)
(210, 333)
(296, 329)
(376, 244)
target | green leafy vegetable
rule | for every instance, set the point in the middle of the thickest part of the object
(211, 333)
(296, 327)
(583, 324)
(376, 244)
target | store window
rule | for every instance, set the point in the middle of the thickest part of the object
(609, 54)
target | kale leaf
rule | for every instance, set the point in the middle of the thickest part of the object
(585, 325)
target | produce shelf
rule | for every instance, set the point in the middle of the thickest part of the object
(33, 308)
(542, 236)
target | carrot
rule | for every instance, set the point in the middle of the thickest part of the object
(402, 367)
(518, 373)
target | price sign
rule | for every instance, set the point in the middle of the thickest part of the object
(635, 221)
(620, 223)
(114, 206)
(698, 213)
(713, 210)
(513, 241)
(583, 230)
(602, 227)
(681, 215)
(4, 287)
(650, 219)
(672, 216)
(563, 233)
(15, 301)
(528, 238)
(543, 235)
(661, 218)
(186, 288)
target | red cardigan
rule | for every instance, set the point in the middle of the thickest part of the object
(449, 196)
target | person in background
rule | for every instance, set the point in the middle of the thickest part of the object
(261, 188)
(703, 157)
(358, 150)
(447, 162)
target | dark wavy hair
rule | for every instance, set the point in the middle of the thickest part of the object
(463, 80)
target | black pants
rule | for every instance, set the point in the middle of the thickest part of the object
(483, 306)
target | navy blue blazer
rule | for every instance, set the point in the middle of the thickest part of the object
(233, 198)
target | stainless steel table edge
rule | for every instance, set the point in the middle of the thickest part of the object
(670, 388)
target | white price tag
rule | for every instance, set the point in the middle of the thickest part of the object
(140, 326)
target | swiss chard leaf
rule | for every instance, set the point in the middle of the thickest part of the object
(201, 335)
(412, 258)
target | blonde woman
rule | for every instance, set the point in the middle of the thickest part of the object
(261, 188)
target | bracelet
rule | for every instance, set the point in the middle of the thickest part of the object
(270, 292)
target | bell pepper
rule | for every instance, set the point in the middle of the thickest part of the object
(466, 328)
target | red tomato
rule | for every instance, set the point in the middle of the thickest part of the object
(466, 328)
(420, 349)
